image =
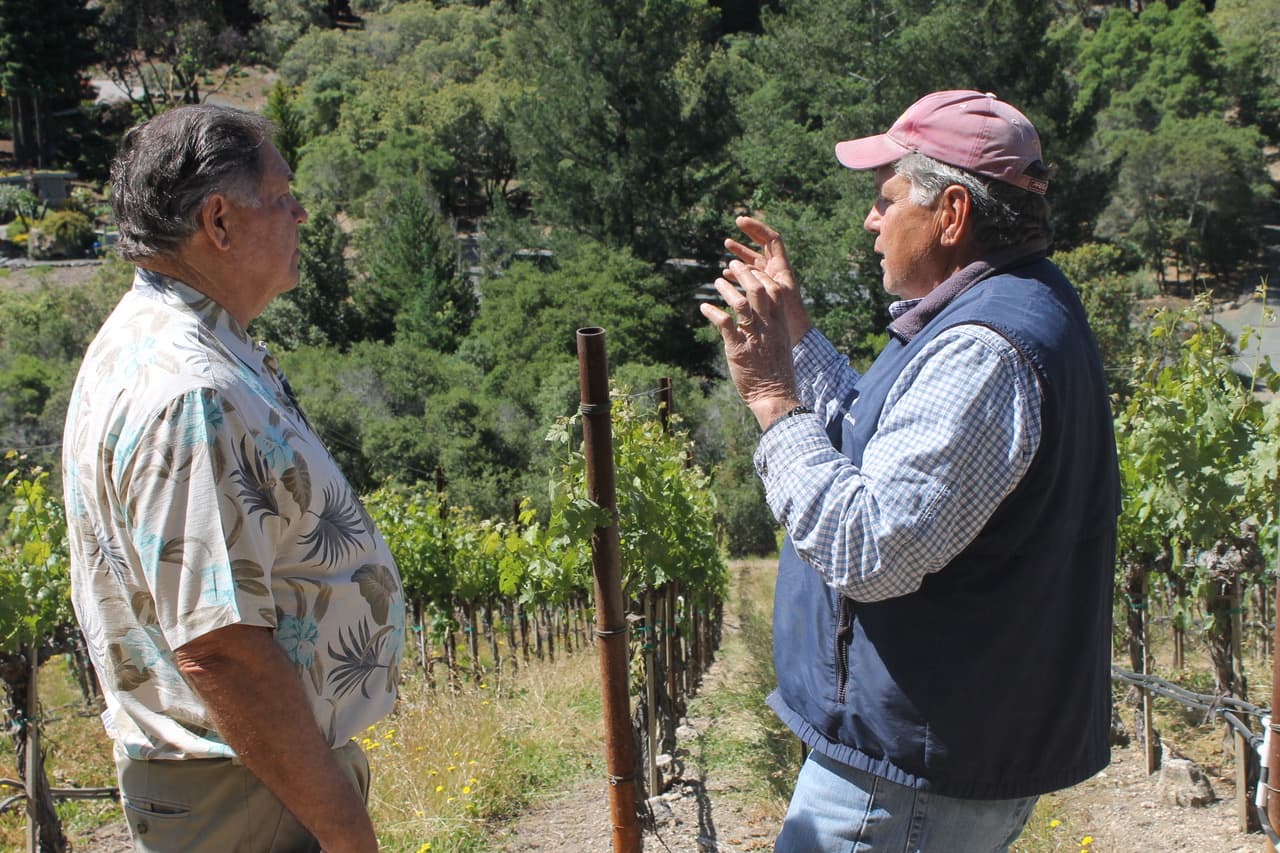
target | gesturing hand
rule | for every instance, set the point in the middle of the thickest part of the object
(773, 262)
(757, 345)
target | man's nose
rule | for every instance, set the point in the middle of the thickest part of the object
(872, 222)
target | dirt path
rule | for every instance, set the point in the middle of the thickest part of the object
(1122, 812)
(1118, 810)
(696, 815)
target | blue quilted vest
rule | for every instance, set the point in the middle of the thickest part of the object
(992, 681)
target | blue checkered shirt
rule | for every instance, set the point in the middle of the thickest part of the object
(957, 433)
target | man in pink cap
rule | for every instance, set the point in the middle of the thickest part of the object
(942, 615)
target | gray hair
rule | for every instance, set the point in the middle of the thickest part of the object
(1004, 216)
(170, 165)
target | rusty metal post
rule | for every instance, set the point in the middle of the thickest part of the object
(611, 622)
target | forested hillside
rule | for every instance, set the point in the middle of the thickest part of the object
(485, 177)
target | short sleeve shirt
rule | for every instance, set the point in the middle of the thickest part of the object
(198, 496)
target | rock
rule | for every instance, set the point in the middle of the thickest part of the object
(669, 768)
(661, 811)
(1119, 734)
(1182, 783)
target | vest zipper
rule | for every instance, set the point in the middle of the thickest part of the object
(844, 636)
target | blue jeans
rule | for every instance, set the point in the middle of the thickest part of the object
(837, 809)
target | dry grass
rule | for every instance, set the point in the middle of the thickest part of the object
(445, 766)
(747, 745)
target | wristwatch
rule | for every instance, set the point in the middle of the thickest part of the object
(798, 410)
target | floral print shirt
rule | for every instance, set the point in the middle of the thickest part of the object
(198, 496)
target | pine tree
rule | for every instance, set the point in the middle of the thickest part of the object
(620, 136)
(44, 46)
(413, 290)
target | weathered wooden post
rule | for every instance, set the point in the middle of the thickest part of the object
(611, 623)
(1273, 750)
(33, 769)
(667, 602)
(650, 649)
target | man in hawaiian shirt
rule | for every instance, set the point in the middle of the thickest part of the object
(245, 617)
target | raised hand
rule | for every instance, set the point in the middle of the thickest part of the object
(772, 261)
(757, 344)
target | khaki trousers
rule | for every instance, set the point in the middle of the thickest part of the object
(215, 805)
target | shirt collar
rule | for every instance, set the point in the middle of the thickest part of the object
(215, 319)
(902, 306)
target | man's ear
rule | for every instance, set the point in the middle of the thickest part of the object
(213, 221)
(956, 209)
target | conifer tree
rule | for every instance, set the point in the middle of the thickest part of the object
(44, 46)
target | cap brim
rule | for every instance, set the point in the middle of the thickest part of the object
(870, 152)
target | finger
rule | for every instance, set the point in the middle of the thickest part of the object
(729, 274)
(757, 286)
(732, 297)
(746, 254)
(759, 233)
(776, 248)
(721, 320)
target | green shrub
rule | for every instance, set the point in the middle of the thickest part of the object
(81, 200)
(62, 234)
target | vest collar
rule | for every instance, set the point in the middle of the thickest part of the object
(907, 325)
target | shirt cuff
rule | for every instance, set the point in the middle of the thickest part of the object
(813, 352)
(787, 440)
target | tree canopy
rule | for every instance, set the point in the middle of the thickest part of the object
(484, 178)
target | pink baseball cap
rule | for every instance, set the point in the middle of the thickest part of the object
(972, 130)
